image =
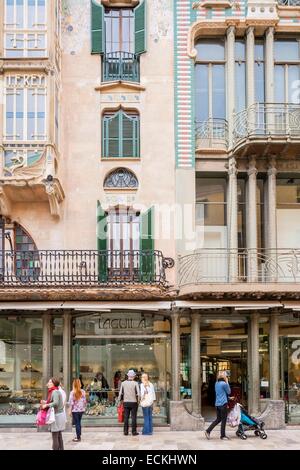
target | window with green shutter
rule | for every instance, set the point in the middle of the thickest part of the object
(147, 258)
(97, 27)
(102, 243)
(121, 135)
(140, 27)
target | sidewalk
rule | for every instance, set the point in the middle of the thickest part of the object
(162, 440)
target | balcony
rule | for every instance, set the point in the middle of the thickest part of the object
(30, 174)
(82, 268)
(236, 272)
(267, 128)
(121, 66)
(211, 136)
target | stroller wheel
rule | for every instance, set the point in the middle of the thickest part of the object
(238, 433)
(263, 435)
(243, 436)
(257, 433)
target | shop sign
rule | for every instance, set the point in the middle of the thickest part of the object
(25, 81)
(122, 324)
(295, 357)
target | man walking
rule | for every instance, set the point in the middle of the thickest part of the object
(130, 395)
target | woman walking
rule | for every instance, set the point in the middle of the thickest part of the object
(55, 400)
(223, 391)
(147, 399)
(77, 402)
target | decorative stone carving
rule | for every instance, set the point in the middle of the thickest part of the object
(212, 4)
(55, 195)
(262, 10)
(5, 206)
(19, 170)
(120, 3)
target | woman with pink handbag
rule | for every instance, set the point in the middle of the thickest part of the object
(56, 416)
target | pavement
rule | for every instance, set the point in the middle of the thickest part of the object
(162, 439)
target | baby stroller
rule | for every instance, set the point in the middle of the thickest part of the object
(248, 423)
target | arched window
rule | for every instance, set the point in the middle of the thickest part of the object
(120, 179)
(121, 135)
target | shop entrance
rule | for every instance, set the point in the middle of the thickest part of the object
(228, 355)
(102, 359)
(290, 377)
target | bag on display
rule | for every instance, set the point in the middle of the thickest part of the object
(234, 417)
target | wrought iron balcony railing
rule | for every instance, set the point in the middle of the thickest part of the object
(267, 120)
(80, 268)
(212, 133)
(242, 265)
(121, 66)
(289, 3)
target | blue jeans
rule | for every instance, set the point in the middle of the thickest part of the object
(77, 422)
(148, 426)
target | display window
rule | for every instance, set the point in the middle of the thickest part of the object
(20, 369)
(106, 346)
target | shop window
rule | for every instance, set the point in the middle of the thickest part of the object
(106, 346)
(121, 135)
(21, 358)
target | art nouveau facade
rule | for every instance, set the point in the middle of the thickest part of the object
(126, 244)
(237, 141)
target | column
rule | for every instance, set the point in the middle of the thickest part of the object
(269, 60)
(47, 349)
(175, 319)
(272, 203)
(230, 82)
(196, 364)
(269, 78)
(232, 223)
(271, 255)
(252, 222)
(274, 357)
(250, 44)
(67, 345)
(253, 355)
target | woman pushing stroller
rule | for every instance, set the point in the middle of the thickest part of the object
(223, 391)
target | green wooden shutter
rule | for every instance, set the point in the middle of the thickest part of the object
(140, 28)
(127, 136)
(102, 244)
(97, 26)
(147, 261)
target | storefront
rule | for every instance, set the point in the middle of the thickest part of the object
(182, 351)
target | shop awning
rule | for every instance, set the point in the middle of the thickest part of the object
(86, 306)
(237, 305)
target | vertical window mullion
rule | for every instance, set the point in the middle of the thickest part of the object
(286, 84)
(210, 91)
(25, 111)
(36, 96)
(15, 137)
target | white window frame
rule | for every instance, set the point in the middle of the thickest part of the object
(14, 137)
(25, 35)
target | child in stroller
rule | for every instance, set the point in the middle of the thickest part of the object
(248, 423)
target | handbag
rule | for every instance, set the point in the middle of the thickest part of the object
(50, 418)
(121, 413)
(41, 418)
(147, 400)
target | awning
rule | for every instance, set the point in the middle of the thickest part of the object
(238, 305)
(86, 306)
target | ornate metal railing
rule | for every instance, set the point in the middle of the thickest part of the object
(267, 119)
(247, 265)
(121, 66)
(78, 268)
(289, 3)
(212, 133)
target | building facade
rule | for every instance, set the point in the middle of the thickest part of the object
(149, 200)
